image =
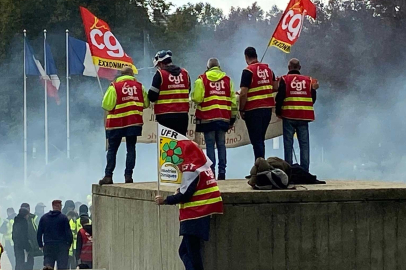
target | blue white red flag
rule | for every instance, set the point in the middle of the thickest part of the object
(81, 61)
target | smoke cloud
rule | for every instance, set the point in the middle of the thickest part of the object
(358, 133)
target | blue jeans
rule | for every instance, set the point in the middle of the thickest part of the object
(302, 130)
(218, 138)
(114, 144)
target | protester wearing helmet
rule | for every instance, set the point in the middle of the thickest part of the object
(170, 93)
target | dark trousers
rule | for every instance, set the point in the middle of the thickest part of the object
(21, 263)
(114, 144)
(10, 254)
(257, 122)
(58, 253)
(178, 123)
(190, 252)
(302, 130)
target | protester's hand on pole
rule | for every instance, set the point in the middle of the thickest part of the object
(159, 200)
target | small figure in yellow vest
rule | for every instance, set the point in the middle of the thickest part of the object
(72, 217)
(198, 198)
(257, 98)
(216, 112)
(170, 92)
(125, 101)
(294, 104)
(7, 230)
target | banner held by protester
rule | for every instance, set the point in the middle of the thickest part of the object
(235, 137)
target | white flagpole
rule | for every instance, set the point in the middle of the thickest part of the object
(25, 116)
(98, 80)
(159, 191)
(159, 156)
(67, 98)
(46, 99)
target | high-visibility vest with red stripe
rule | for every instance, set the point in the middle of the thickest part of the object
(173, 93)
(87, 246)
(298, 103)
(216, 104)
(260, 93)
(205, 201)
(129, 105)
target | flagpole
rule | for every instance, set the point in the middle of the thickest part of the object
(25, 115)
(98, 80)
(159, 156)
(67, 98)
(46, 98)
(159, 191)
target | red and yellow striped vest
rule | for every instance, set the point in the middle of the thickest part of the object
(260, 93)
(205, 201)
(86, 254)
(216, 104)
(173, 93)
(298, 103)
(129, 106)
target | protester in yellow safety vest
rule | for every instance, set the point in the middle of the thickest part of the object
(216, 112)
(83, 212)
(72, 216)
(125, 101)
(6, 229)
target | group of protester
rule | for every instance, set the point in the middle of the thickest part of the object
(291, 96)
(39, 240)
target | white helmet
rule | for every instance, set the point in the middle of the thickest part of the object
(161, 56)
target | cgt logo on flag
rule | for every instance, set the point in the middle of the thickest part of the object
(289, 27)
(106, 50)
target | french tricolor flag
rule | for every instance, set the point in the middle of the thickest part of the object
(34, 67)
(81, 62)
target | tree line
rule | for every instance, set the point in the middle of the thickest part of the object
(353, 47)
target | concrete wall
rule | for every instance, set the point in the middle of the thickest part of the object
(342, 225)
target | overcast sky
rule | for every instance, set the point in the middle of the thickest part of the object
(226, 4)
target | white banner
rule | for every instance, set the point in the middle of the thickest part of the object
(236, 136)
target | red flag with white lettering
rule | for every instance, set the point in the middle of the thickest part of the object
(289, 27)
(106, 50)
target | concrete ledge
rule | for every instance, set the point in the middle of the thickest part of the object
(341, 225)
(238, 192)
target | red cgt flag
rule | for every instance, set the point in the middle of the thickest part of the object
(289, 27)
(106, 50)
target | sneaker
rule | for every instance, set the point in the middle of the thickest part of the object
(128, 179)
(221, 176)
(107, 180)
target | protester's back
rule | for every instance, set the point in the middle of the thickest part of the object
(53, 227)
